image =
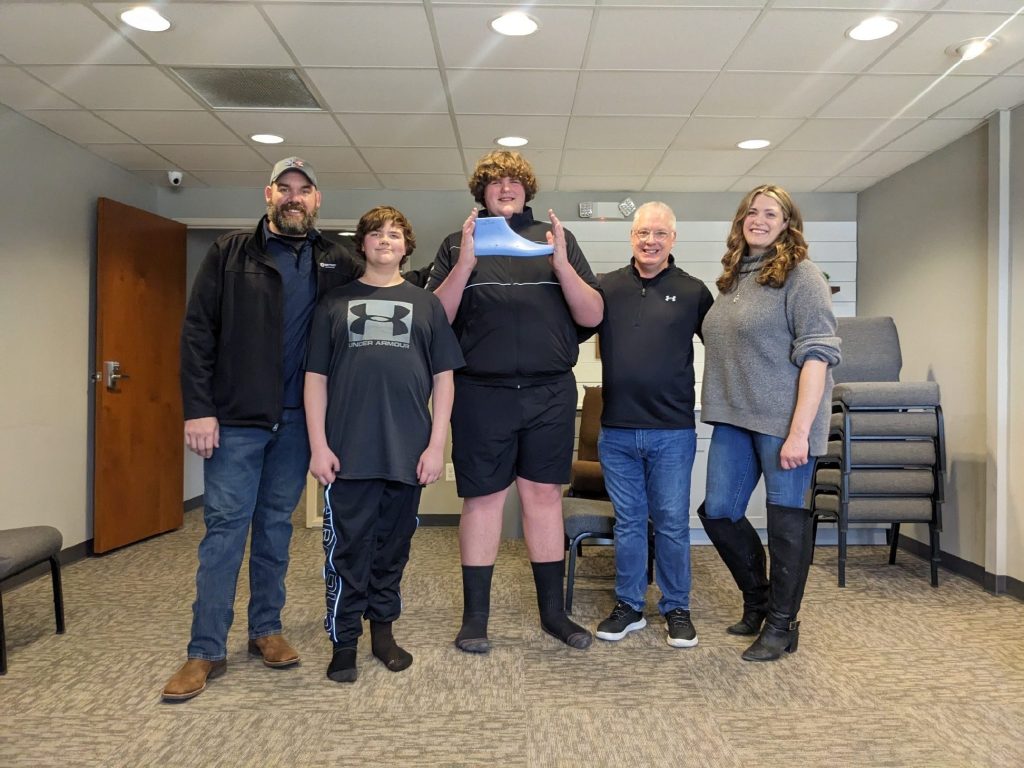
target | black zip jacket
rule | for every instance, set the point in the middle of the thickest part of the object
(513, 323)
(231, 340)
(647, 347)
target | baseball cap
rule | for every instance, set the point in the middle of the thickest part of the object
(293, 164)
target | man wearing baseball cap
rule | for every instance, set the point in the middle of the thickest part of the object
(242, 349)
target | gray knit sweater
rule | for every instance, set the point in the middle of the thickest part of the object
(756, 338)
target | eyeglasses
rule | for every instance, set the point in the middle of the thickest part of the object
(659, 235)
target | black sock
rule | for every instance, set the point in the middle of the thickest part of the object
(382, 641)
(549, 579)
(342, 668)
(476, 602)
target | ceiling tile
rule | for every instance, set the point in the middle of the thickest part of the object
(924, 49)
(79, 126)
(623, 184)
(793, 184)
(117, 87)
(395, 130)
(336, 159)
(766, 94)
(542, 131)
(709, 162)
(195, 157)
(933, 134)
(661, 183)
(610, 162)
(431, 181)
(847, 133)
(60, 33)
(622, 132)
(640, 93)
(880, 5)
(799, 163)
(1004, 93)
(492, 92)
(903, 95)
(331, 180)
(132, 156)
(300, 128)
(244, 179)
(727, 132)
(467, 40)
(982, 5)
(848, 184)
(666, 38)
(813, 41)
(196, 36)
(381, 90)
(407, 160)
(22, 91)
(171, 127)
(355, 35)
(884, 163)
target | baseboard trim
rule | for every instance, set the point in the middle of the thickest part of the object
(194, 503)
(997, 585)
(440, 520)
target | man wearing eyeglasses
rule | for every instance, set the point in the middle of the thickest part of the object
(648, 440)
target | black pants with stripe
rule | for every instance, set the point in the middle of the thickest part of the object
(368, 528)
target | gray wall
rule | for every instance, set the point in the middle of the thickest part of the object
(1015, 531)
(48, 220)
(922, 258)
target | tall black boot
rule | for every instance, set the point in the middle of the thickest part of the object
(740, 548)
(476, 609)
(549, 579)
(790, 543)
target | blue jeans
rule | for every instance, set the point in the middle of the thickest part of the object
(737, 459)
(647, 474)
(254, 479)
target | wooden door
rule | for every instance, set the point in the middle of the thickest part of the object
(140, 303)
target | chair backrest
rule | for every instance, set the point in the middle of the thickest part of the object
(871, 350)
(590, 423)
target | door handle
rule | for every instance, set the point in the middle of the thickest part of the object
(112, 374)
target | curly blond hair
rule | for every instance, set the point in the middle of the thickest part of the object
(789, 249)
(497, 165)
(374, 219)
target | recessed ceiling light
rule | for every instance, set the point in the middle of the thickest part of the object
(753, 144)
(514, 24)
(874, 28)
(267, 138)
(146, 19)
(512, 141)
(972, 48)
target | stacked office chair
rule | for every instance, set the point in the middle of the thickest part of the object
(587, 512)
(886, 454)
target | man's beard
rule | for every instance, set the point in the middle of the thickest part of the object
(287, 225)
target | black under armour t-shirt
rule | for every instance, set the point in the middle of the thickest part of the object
(380, 349)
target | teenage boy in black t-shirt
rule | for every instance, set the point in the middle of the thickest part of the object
(378, 347)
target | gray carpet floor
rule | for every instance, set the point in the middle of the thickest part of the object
(890, 672)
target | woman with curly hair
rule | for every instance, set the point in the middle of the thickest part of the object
(770, 340)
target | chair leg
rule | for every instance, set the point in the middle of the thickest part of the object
(894, 540)
(934, 531)
(570, 577)
(58, 594)
(842, 555)
(3, 640)
(814, 537)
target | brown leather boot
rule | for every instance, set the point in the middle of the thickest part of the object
(275, 650)
(191, 679)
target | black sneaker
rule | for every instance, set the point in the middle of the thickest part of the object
(622, 621)
(681, 633)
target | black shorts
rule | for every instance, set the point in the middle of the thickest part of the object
(500, 433)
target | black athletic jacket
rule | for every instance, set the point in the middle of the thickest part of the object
(513, 323)
(231, 345)
(647, 347)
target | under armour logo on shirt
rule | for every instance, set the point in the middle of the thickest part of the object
(670, 298)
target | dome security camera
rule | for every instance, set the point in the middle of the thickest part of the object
(175, 178)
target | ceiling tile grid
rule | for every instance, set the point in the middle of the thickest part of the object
(613, 95)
